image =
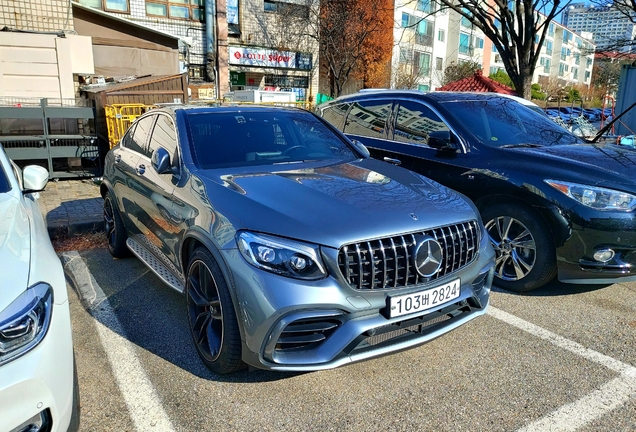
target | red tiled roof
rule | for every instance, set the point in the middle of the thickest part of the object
(477, 83)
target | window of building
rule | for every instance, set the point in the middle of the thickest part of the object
(421, 63)
(427, 6)
(176, 9)
(548, 47)
(575, 73)
(439, 63)
(479, 43)
(441, 35)
(464, 44)
(287, 9)
(423, 87)
(546, 66)
(465, 21)
(551, 28)
(587, 75)
(108, 5)
(406, 53)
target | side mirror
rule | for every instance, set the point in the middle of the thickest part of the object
(362, 149)
(161, 161)
(34, 178)
(441, 140)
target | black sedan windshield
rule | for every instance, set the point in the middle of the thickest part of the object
(500, 122)
(267, 137)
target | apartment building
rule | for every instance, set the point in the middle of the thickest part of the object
(428, 39)
(610, 27)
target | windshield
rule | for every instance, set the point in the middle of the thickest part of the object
(500, 122)
(242, 138)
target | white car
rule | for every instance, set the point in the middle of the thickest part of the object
(38, 383)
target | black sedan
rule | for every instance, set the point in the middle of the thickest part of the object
(552, 203)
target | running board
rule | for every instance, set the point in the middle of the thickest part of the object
(157, 267)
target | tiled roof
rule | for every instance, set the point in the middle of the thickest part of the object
(477, 83)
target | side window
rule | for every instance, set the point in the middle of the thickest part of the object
(415, 121)
(139, 141)
(368, 118)
(164, 135)
(335, 115)
(127, 141)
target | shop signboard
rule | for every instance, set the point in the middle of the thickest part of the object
(269, 58)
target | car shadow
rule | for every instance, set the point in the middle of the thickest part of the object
(555, 288)
(152, 316)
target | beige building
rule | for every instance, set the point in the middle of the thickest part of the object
(39, 58)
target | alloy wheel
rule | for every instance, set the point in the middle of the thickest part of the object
(514, 246)
(205, 312)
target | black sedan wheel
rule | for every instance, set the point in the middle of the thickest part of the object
(115, 231)
(525, 253)
(211, 315)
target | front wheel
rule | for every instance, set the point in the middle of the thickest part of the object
(525, 253)
(211, 315)
(115, 231)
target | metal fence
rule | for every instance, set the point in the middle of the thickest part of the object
(56, 134)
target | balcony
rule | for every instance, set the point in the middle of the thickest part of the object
(423, 39)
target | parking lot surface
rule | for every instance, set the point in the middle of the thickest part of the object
(559, 359)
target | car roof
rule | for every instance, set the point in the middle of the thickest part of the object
(225, 108)
(439, 96)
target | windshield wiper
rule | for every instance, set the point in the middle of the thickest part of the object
(526, 145)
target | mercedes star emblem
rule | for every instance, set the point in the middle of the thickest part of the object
(428, 256)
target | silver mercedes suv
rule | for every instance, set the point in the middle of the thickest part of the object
(295, 251)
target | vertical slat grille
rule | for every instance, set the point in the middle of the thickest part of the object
(387, 262)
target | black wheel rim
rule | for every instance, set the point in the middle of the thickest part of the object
(109, 220)
(514, 246)
(205, 312)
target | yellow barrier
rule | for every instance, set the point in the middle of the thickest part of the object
(119, 117)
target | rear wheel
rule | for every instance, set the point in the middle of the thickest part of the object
(525, 251)
(211, 315)
(115, 231)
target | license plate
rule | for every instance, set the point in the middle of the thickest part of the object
(408, 304)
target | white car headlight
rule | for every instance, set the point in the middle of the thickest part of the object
(282, 256)
(24, 323)
(596, 197)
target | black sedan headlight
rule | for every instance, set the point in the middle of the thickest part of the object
(596, 197)
(24, 323)
(282, 256)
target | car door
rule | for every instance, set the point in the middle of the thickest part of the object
(407, 145)
(156, 221)
(123, 174)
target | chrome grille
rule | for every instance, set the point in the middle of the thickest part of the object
(386, 262)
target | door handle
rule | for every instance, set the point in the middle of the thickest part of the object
(117, 158)
(392, 161)
(141, 169)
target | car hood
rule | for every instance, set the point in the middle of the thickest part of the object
(595, 164)
(15, 249)
(335, 204)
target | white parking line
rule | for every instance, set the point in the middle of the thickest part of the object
(143, 404)
(577, 414)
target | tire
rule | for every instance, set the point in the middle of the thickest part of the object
(75, 415)
(526, 255)
(115, 231)
(211, 315)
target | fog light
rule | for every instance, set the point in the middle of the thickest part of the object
(604, 255)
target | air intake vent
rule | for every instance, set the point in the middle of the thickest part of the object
(305, 334)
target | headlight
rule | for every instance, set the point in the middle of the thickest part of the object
(24, 323)
(281, 256)
(596, 197)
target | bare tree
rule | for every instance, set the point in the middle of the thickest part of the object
(517, 28)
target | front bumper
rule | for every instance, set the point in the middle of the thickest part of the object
(41, 380)
(593, 231)
(335, 324)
